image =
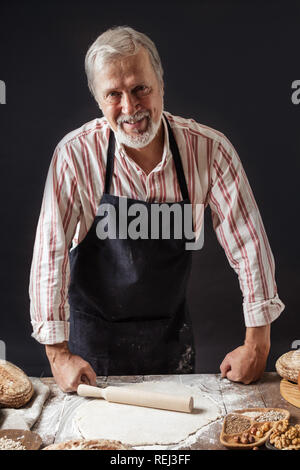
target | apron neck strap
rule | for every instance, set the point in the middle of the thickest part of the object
(176, 158)
(178, 164)
(110, 161)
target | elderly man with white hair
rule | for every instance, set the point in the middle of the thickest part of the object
(106, 302)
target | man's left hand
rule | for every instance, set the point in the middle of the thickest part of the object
(247, 363)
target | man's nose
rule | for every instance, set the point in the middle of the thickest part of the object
(130, 104)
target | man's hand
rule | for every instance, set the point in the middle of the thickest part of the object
(247, 363)
(68, 369)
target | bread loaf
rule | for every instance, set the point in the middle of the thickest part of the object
(288, 365)
(16, 388)
(84, 444)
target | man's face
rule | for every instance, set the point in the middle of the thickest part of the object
(131, 98)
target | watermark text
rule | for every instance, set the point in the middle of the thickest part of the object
(167, 221)
(2, 351)
(2, 92)
(296, 94)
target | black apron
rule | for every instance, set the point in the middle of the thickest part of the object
(128, 309)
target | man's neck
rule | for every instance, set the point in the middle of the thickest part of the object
(148, 157)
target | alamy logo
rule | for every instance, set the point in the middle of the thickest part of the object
(163, 221)
(296, 94)
(2, 350)
(2, 92)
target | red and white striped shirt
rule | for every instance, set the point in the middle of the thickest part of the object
(73, 190)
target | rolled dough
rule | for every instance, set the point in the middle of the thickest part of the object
(135, 425)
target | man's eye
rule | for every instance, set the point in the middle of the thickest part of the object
(142, 90)
(113, 96)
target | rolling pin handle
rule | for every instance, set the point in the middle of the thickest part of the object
(84, 390)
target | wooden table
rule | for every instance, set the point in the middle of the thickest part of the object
(55, 422)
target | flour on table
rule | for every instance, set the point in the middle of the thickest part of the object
(136, 425)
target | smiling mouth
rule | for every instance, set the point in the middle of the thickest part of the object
(137, 125)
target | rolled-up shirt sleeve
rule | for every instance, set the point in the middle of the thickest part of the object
(50, 271)
(240, 231)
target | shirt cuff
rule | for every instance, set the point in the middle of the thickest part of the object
(51, 332)
(262, 312)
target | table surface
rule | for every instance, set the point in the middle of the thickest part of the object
(55, 422)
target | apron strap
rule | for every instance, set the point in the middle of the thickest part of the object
(178, 164)
(175, 154)
(109, 162)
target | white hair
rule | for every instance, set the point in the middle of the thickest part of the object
(117, 42)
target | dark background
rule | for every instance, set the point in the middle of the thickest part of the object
(229, 65)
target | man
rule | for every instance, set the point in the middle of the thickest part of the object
(117, 305)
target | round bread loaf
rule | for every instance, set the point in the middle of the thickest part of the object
(16, 388)
(84, 444)
(288, 365)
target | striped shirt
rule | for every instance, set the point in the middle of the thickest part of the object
(75, 184)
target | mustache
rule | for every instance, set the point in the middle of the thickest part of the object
(133, 118)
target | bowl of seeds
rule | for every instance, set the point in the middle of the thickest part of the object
(18, 439)
(249, 428)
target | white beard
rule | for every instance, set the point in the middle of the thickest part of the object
(141, 139)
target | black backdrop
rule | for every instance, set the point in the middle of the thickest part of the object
(229, 65)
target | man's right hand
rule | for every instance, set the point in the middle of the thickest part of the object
(68, 369)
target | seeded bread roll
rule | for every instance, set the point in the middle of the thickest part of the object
(83, 444)
(16, 388)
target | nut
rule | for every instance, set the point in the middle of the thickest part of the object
(266, 427)
(287, 437)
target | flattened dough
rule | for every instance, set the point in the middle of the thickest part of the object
(136, 425)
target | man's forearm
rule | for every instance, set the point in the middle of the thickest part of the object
(259, 337)
(54, 349)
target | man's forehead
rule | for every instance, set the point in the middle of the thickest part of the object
(133, 68)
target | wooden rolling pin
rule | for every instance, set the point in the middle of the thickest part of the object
(138, 397)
